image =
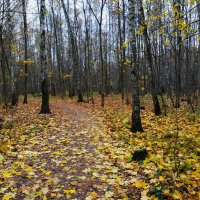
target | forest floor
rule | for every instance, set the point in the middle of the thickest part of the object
(81, 151)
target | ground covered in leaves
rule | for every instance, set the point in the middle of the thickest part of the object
(81, 151)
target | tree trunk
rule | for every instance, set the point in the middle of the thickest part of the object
(120, 52)
(43, 61)
(14, 95)
(151, 72)
(178, 58)
(75, 56)
(136, 119)
(26, 52)
(101, 66)
(3, 69)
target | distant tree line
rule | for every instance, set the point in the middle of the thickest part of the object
(70, 47)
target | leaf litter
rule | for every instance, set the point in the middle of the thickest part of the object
(84, 152)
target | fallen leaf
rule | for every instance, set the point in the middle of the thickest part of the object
(6, 174)
(140, 184)
(109, 194)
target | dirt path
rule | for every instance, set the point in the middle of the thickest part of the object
(62, 156)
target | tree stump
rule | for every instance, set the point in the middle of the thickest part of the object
(140, 154)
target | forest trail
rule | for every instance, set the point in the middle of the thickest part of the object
(64, 155)
(85, 153)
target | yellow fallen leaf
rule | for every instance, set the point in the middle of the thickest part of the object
(160, 166)
(128, 157)
(6, 174)
(116, 185)
(103, 179)
(9, 196)
(38, 194)
(69, 192)
(140, 184)
(180, 184)
(28, 169)
(56, 153)
(47, 173)
(91, 196)
(153, 197)
(6, 197)
(177, 195)
(53, 194)
(136, 168)
(14, 190)
(161, 178)
(166, 192)
(45, 197)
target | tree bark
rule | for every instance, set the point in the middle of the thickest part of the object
(136, 119)
(43, 61)
(151, 72)
(26, 52)
(75, 56)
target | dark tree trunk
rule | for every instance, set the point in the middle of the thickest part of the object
(147, 44)
(10, 29)
(14, 99)
(3, 66)
(120, 52)
(26, 52)
(45, 97)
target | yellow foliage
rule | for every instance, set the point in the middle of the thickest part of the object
(65, 76)
(125, 44)
(69, 192)
(6, 174)
(56, 153)
(140, 184)
(28, 169)
(177, 195)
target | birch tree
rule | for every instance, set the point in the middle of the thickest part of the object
(43, 61)
(136, 119)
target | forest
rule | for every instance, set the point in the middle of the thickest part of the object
(100, 99)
